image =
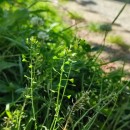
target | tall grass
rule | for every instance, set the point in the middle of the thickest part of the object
(48, 78)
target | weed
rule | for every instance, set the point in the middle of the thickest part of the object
(118, 40)
(48, 78)
(98, 27)
(75, 16)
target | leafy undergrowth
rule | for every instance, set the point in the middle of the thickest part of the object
(48, 78)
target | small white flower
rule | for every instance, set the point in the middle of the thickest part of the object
(36, 21)
(42, 35)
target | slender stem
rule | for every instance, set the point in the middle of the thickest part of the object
(57, 101)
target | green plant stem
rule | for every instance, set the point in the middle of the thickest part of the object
(58, 100)
(106, 33)
(31, 85)
(98, 104)
(109, 115)
(32, 98)
(20, 117)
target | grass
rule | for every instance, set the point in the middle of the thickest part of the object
(48, 78)
(118, 40)
(75, 16)
(99, 27)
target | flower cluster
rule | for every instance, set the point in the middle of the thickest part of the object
(42, 35)
(36, 21)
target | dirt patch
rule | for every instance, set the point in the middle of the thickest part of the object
(93, 12)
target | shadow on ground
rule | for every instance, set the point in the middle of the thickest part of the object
(125, 1)
(85, 2)
(91, 11)
(114, 54)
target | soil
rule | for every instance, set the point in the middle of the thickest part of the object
(104, 11)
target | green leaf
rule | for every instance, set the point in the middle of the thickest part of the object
(7, 110)
(11, 19)
(8, 87)
(69, 96)
(16, 43)
(55, 58)
(71, 80)
(6, 65)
